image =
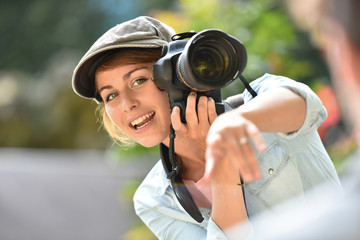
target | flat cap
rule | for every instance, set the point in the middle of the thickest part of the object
(141, 32)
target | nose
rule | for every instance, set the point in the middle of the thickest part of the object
(129, 102)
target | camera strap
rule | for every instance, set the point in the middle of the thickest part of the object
(247, 86)
(181, 192)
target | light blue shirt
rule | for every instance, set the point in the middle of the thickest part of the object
(291, 166)
(335, 216)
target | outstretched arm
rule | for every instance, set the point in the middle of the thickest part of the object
(278, 110)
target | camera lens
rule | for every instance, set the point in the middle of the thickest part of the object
(207, 62)
(211, 60)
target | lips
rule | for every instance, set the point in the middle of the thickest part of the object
(142, 121)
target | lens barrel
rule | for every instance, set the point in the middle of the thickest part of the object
(210, 60)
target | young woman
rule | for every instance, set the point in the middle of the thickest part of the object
(280, 154)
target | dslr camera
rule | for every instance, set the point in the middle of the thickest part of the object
(203, 62)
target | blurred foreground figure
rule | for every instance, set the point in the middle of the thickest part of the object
(334, 26)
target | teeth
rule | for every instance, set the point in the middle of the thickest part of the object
(142, 119)
(138, 127)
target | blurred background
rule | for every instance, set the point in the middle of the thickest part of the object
(61, 177)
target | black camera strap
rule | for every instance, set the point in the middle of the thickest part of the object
(247, 86)
(181, 192)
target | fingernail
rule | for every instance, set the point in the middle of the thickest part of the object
(193, 93)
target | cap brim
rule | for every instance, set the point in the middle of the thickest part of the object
(82, 82)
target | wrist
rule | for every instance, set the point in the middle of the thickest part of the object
(226, 174)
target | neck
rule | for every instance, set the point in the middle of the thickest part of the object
(190, 158)
(191, 169)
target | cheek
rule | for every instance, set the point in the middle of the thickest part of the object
(165, 100)
(114, 117)
(165, 105)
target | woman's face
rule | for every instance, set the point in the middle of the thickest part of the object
(134, 103)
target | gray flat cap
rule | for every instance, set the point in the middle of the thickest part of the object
(142, 32)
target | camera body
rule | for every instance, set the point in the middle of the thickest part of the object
(205, 63)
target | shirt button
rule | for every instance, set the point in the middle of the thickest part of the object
(271, 171)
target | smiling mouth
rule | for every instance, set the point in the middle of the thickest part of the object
(142, 121)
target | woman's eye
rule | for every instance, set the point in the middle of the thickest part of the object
(139, 81)
(111, 96)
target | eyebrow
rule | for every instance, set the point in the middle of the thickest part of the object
(125, 77)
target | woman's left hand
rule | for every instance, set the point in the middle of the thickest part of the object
(229, 136)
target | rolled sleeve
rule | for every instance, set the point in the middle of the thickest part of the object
(243, 231)
(315, 111)
(214, 232)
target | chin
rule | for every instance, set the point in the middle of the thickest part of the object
(154, 140)
(149, 144)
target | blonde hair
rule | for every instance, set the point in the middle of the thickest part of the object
(123, 57)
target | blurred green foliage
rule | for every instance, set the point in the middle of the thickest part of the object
(42, 41)
(32, 31)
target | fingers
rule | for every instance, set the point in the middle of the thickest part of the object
(215, 152)
(246, 160)
(240, 154)
(211, 110)
(202, 112)
(190, 111)
(176, 121)
(241, 151)
(233, 133)
(199, 115)
(254, 133)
